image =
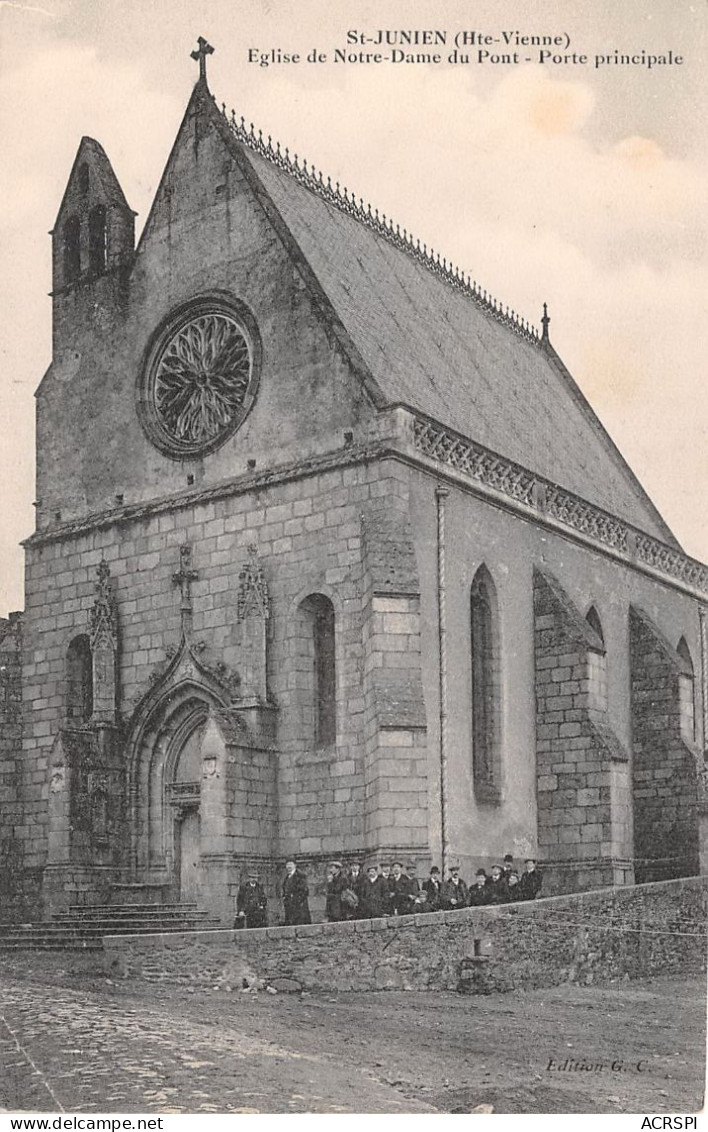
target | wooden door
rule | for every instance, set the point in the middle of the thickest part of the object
(189, 856)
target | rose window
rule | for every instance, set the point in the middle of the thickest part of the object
(201, 380)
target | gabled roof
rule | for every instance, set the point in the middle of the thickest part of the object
(428, 340)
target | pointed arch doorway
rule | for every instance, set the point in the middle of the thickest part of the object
(166, 781)
(181, 786)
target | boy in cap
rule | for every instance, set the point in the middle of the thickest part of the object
(454, 891)
(251, 903)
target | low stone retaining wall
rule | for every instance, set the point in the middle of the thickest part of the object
(614, 933)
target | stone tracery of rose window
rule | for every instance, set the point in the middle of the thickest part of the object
(202, 378)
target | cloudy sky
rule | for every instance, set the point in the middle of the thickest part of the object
(581, 185)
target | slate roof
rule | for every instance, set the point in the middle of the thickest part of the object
(432, 348)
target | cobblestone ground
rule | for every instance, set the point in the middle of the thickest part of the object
(76, 1051)
(72, 1039)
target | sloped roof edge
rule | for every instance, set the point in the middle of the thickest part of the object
(109, 182)
(250, 150)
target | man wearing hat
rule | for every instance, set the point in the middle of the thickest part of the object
(454, 892)
(373, 895)
(336, 885)
(531, 881)
(402, 894)
(353, 875)
(356, 876)
(497, 886)
(251, 903)
(479, 891)
(508, 865)
(433, 890)
(512, 887)
(385, 873)
(417, 894)
(295, 894)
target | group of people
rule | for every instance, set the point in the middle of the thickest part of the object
(395, 890)
(387, 890)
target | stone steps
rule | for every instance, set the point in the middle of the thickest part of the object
(129, 909)
(79, 931)
(83, 927)
(144, 917)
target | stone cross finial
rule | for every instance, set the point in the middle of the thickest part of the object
(184, 578)
(201, 53)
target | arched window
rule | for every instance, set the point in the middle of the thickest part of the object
(319, 612)
(72, 249)
(593, 619)
(597, 664)
(98, 251)
(486, 713)
(686, 692)
(79, 680)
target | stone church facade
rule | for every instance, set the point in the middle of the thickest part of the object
(332, 559)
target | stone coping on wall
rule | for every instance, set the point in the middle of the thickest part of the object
(600, 936)
(395, 923)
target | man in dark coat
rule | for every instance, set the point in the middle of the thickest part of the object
(356, 877)
(454, 891)
(385, 874)
(531, 881)
(479, 891)
(373, 895)
(433, 890)
(350, 909)
(417, 902)
(251, 904)
(508, 865)
(336, 885)
(498, 892)
(295, 894)
(403, 891)
(512, 887)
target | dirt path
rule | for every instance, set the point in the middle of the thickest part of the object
(100, 1045)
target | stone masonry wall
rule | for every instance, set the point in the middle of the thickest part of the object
(14, 884)
(582, 770)
(665, 768)
(308, 536)
(623, 933)
(396, 759)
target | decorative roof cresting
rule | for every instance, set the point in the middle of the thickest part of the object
(339, 196)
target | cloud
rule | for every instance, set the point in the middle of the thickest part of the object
(509, 177)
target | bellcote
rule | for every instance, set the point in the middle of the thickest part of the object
(94, 233)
